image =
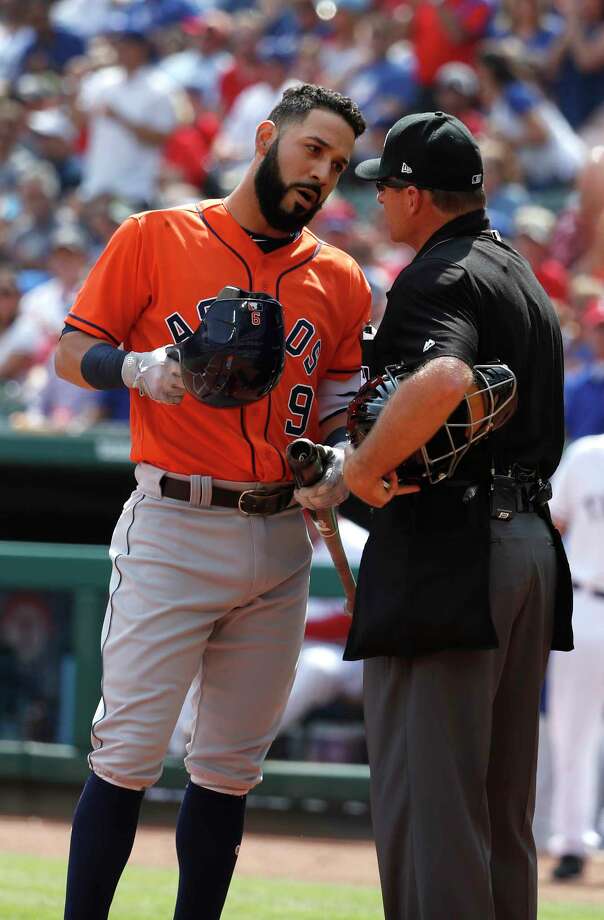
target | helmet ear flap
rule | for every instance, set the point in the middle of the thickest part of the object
(486, 407)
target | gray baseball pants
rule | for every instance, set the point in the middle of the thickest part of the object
(452, 741)
(205, 596)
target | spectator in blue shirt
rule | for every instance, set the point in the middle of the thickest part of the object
(584, 394)
(295, 19)
(531, 24)
(576, 60)
(89, 18)
(50, 47)
(548, 150)
(505, 193)
(383, 85)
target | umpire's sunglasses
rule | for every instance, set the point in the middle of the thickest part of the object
(391, 182)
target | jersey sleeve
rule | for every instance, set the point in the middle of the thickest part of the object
(117, 289)
(346, 360)
(437, 311)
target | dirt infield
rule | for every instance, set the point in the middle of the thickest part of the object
(270, 856)
(261, 856)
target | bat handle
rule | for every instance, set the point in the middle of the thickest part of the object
(306, 461)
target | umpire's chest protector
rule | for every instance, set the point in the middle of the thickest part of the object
(424, 578)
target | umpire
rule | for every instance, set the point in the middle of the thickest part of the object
(463, 586)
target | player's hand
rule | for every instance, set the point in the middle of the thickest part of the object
(155, 374)
(330, 490)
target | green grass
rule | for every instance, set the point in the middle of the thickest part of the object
(32, 889)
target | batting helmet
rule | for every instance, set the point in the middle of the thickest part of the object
(237, 353)
(485, 408)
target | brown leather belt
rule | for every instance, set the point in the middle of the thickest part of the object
(248, 501)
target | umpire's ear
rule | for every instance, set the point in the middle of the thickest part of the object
(266, 132)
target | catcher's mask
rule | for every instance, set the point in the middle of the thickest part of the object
(237, 353)
(490, 402)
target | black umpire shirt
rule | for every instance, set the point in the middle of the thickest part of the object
(423, 582)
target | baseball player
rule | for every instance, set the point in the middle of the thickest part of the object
(211, 554)
(463, 586)
(576, 682)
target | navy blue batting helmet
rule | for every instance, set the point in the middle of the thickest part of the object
(237, 354)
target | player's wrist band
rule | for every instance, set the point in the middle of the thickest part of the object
(101, 367)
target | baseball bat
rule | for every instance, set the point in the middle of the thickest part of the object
(307, 461)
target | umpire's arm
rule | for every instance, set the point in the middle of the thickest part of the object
(413, 414)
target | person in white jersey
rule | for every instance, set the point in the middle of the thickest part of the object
(576, 682)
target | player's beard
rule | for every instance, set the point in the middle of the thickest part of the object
(271, 190)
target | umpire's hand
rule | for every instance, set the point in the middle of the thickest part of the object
(376, 491)
(330, 490)
(155, 374)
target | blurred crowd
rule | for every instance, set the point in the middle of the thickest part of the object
(113, 106)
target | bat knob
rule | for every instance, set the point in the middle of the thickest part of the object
(301, 450)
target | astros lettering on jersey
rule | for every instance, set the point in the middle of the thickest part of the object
(160, 299)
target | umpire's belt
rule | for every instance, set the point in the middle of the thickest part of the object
(248, 501)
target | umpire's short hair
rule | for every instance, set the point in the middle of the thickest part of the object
(298, 101)
(459, 202)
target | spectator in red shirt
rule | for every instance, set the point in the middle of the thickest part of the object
(187, 151)
(534, 228)
(443, 31)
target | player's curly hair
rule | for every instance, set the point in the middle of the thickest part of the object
(298, 101)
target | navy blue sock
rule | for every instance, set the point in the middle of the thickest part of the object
(104, 825)
(208, 834)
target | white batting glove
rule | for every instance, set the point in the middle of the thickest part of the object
(155, 374)
(331, 489)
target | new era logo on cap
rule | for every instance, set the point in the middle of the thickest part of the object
(428, 344)
(477, 179)
(406, 169)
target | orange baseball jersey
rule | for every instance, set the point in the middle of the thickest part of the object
(149, 288)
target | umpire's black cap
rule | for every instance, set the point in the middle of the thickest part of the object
(430, 150)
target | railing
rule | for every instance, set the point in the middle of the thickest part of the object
(81, 573)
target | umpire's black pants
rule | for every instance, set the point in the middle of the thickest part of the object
(452, 741)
